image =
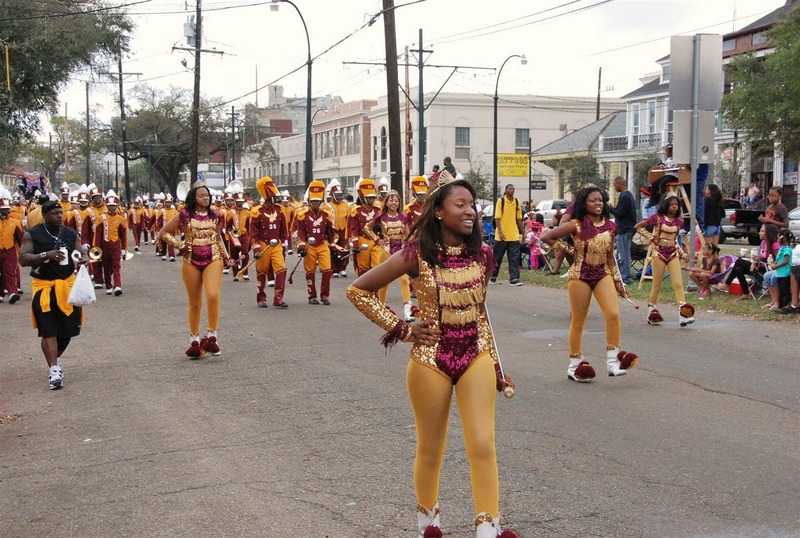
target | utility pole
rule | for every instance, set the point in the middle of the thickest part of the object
(198, 39)
(421, 106)
(124, 128)
(599, 79)
(124, 124)
(196, 100)
(393, 99)
(407, 168)
(233, 116)
(88, 138)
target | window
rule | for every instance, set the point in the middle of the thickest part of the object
(665, 73)
(462, 143)
(374, 149)
(356, 139)
(289, 178)
(651, 116)
(383, 143)
(521, 139)
(729, 45)
(635, 118)
(297, 173)
(759, 38)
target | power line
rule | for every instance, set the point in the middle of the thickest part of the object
(61, 14)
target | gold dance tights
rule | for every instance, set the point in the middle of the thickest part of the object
(430, 393)
(580, 296)
(674, 268)
(195, 280)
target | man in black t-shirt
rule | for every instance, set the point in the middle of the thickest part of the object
(48, 248)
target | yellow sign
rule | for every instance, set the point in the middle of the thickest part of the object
(512, 165)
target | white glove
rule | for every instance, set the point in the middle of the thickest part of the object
(85, 247)
(124, 253)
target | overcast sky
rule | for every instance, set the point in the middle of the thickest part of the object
(565, 42)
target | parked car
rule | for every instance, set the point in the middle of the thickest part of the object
(728, 229)
(794, 221)
(548, 208)
(746, 224)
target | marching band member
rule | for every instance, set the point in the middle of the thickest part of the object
(340, 211)
(111, 236)
(64, 202)
(228, 212)
(289, 209)
(18, 211)
(593, 273)
(453, 349)
(136, 222)
(148, 215)
(11, 235)
(383, 191)
(242, 223)
(393, 231)
(268, 234)
(96, 208)
(314, 236)
(667, 223)
(419, 187)
(203, 255)
(168, 213)
(362, 213)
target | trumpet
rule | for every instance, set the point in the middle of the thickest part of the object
(95, 254)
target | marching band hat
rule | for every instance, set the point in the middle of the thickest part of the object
(419, 184)
(316, 190)
(5, 199)
(366, 187)
(64, 188)
(112, 198)
(266, 187)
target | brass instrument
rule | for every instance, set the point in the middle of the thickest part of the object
(95, 254)
(235, 243)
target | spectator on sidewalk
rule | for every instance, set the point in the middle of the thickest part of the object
(625, 218)
(508, 229)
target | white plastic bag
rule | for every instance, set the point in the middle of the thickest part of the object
(82, 292)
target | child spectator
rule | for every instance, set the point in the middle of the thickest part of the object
(777, 280)
(533, 230)
(709, 266)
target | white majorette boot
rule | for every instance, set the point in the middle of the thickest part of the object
(619, 362)
(579, 369)
(487, 526)
(653, 315)
(210, 344)
(686, 314)
(428, 522)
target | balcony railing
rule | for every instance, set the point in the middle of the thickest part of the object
(641, 141)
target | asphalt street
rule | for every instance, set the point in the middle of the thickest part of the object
(303, 428)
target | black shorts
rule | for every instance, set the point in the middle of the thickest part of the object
(55, 323)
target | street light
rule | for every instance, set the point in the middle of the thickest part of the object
(523, 61)
(309, 164)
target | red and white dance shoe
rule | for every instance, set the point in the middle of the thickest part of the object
(209, 343)
(195, 350)
(580, 370)
(653, 315)
(686, 314)
(619, 362)
(428, 522)
(487, 526)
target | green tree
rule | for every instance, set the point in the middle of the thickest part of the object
(47, 43)
(580, 169)
(765, 96)
(479, 178)
(159, 132)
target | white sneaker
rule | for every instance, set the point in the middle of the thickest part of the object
(271, 284)
(146, 242)
(56, 378)
(136, 249)
(226, 271)
(98, 286)
(117, 291)
(109, 291)
(164, 258)
(343, 274)
(290, 252)
(172, 258)
(246, 277)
